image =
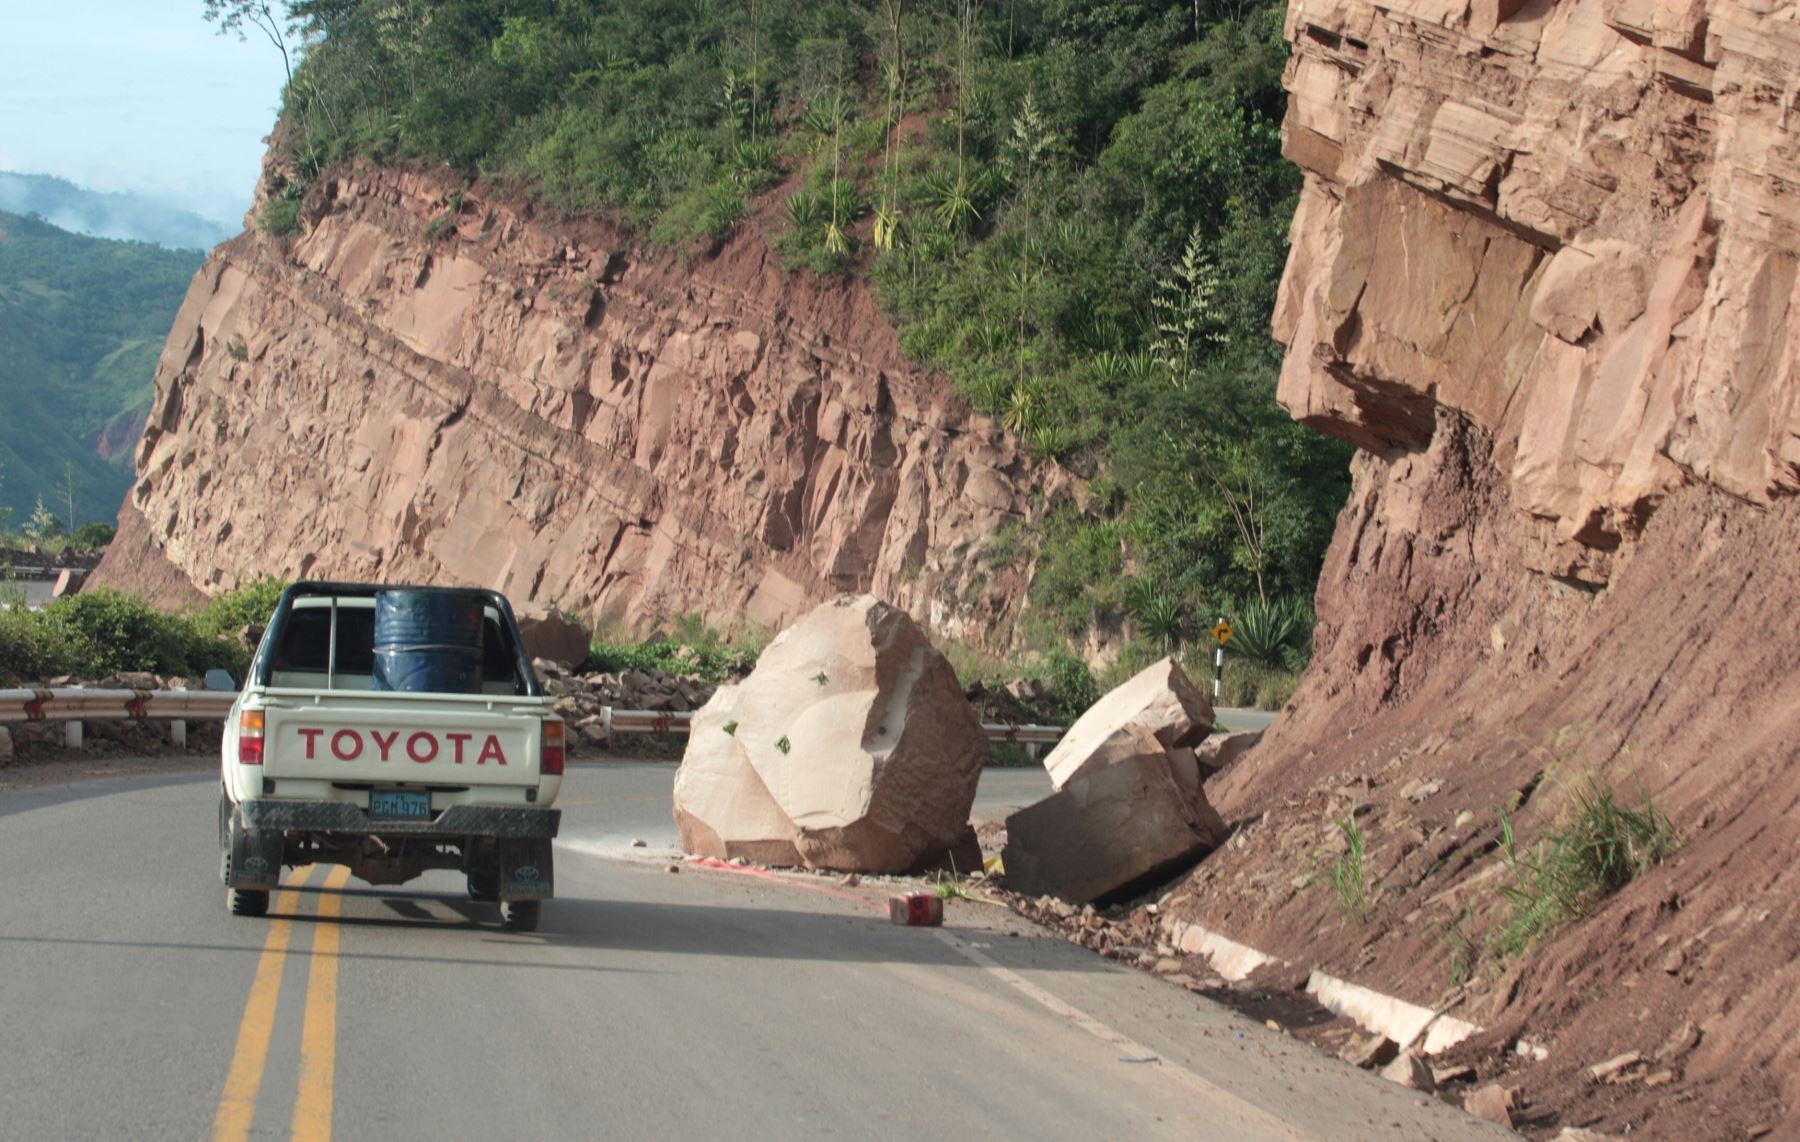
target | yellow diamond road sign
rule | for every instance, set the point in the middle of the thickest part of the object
(1222, 632)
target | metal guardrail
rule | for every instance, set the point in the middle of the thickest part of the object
(73, 705)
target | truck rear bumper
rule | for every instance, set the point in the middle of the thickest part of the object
(455, 821)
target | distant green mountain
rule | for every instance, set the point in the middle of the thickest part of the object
(81, 323)
(127, 217)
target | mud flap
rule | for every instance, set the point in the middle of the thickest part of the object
(525, 868)
(256, 856)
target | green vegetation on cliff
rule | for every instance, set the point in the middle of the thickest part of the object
(82, 321)
(1075, 208)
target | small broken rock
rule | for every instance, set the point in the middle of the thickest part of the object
(1371, 1053)
(672, 868)
(1682, 1040)
(1442, 1075)
(1600, 1072)
(1526, 1049)
(849, 880)
(1411, 1071)
(1493, 1102)
(639, 843)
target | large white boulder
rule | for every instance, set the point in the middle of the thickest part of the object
(853, 728)
(722, 808)
(1157, 708)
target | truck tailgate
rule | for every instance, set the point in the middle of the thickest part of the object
(430, 739)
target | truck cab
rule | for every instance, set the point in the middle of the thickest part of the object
(340, 749)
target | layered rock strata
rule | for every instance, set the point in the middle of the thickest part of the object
(430, 384)
(1546, 273)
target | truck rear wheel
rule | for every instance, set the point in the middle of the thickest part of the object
(520, 915)
(243, 901)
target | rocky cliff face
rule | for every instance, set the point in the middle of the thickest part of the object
(1544, 273)
(430, 384)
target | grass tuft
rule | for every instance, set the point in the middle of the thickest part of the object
(1599, 848)
(1349, 875)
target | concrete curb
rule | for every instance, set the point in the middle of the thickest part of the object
(1405, 1023)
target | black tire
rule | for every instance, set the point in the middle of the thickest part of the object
(248, 901)
(242, 901)
(484, 886)
(520, 915)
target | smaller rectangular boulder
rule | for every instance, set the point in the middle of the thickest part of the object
(1130, 823)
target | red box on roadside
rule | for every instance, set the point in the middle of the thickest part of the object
(916, 910)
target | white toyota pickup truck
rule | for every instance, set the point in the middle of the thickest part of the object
(367, 736)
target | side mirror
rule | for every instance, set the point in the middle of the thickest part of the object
(221, 680)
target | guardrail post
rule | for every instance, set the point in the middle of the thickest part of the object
(178, 733)
(72, 735)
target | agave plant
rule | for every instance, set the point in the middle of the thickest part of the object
(827, 115)
(952, 202)
(989, 392)
(1053, 440)
(804, 210)
(752, 163)
(1160, 613)
(1275, 633)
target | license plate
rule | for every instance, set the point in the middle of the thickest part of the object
(400, 805)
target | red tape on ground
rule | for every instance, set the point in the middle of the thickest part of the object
(765, 874)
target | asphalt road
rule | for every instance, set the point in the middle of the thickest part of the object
(700, 1005)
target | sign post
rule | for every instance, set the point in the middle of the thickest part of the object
(1221, 633)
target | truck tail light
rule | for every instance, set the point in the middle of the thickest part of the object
(250, 737)
(552, 764)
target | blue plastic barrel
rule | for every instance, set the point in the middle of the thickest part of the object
(428, 642)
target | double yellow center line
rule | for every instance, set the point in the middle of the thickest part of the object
(318, 1038)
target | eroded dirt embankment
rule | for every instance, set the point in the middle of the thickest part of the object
(1545, 274)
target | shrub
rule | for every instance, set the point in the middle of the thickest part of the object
(119, 632)
(92, 536)
(254, 602)
(697, 650)
(1251, 685)
(1072, 688)
(279, 217)
(33, 648)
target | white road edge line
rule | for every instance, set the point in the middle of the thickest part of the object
(1251, 1114)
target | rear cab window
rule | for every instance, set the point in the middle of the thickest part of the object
(308, 657)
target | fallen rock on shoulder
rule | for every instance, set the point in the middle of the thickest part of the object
(1220, 750)
(1128, 809)
(1109, 829)
(553, 636)
(1159, 705)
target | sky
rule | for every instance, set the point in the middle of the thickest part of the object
(140, 95)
